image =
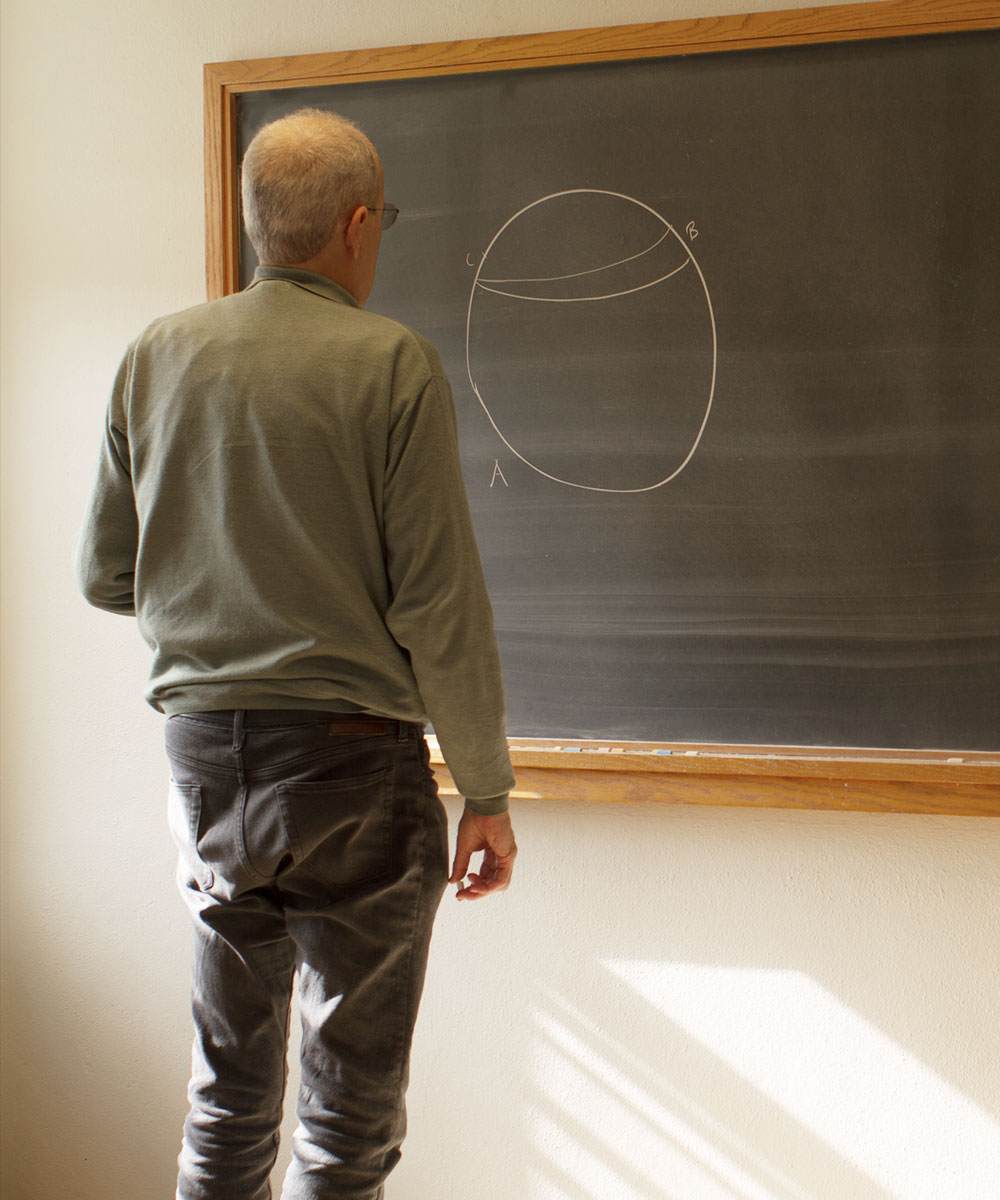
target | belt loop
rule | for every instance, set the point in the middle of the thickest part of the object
(239, 729)
(402, 731)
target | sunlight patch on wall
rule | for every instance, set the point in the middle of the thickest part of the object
(607, 1126)
(856, 1090)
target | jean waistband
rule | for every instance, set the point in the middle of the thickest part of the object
(356, 724)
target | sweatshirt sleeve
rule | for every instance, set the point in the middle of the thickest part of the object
(439, 610)
(105, 552)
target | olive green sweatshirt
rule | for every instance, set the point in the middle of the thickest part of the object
(279, 502)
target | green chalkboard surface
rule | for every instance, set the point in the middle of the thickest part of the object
(723, 331)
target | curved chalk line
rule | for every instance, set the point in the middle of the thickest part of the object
(576, 299)
(711, 315)
(592, 270)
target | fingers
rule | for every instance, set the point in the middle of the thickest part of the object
(493, 876)
(467, 843)
(495, 838)
(461, 865)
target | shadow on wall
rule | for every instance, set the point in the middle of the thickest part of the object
(760, 1006)
(755, 1084)
(100, 1084)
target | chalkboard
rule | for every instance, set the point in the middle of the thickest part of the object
(723, 330)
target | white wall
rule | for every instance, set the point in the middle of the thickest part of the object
(692, 1004)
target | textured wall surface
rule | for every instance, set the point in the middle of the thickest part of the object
(681, 1003)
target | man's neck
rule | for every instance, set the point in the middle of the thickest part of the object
(330, 264)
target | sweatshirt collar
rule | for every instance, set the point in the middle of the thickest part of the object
(309, 280)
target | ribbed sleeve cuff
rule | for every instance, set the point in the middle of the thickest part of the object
(493, 806)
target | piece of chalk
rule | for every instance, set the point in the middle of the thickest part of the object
(690, 753)
(955, 761)
(663, 751)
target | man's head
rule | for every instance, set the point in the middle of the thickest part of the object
(309, 180)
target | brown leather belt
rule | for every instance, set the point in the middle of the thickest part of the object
(362, 727)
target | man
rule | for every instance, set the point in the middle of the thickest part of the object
(279, 502)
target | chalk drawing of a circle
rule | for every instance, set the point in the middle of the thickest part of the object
(591, 341)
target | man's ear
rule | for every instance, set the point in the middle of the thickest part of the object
(355, 227)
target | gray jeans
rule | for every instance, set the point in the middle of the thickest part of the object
(309, 842)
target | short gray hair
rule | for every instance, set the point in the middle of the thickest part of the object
(301, 175)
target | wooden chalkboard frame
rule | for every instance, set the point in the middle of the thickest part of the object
(960, 783)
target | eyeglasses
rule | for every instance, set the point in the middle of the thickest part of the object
(389, 214)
